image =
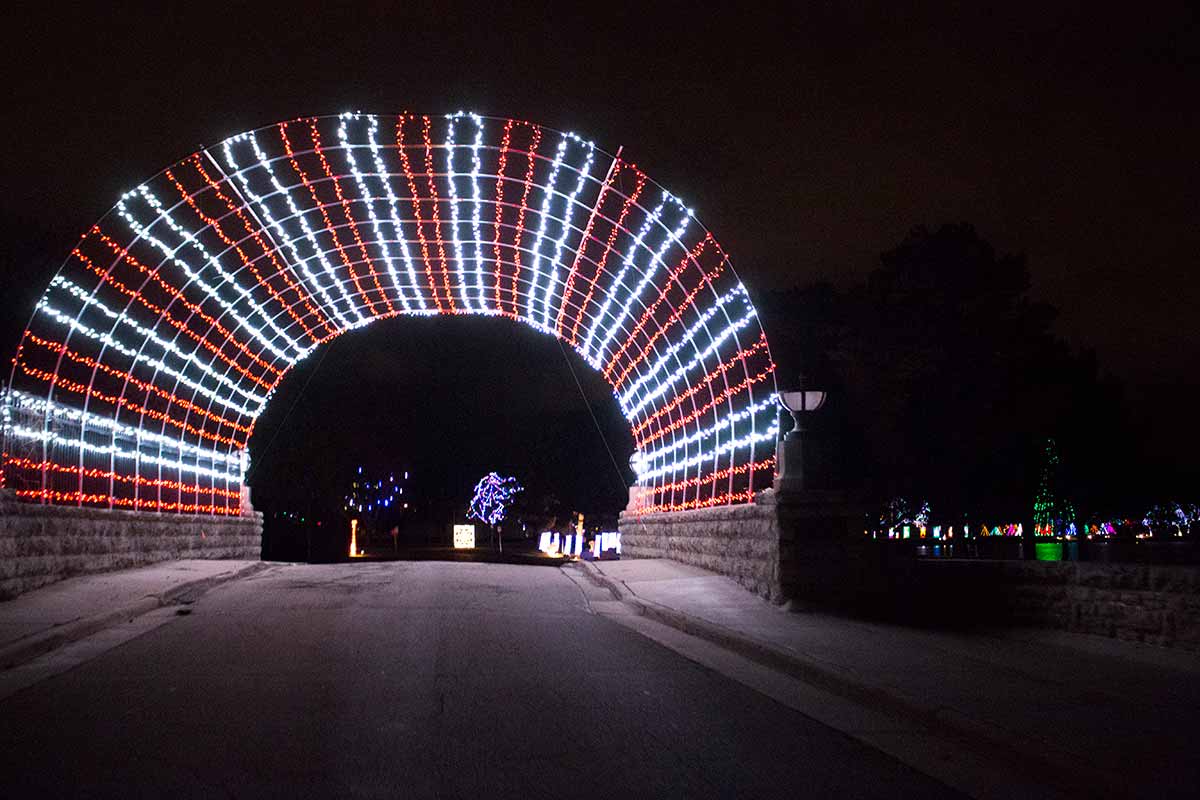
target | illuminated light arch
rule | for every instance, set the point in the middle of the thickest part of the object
(161, 339)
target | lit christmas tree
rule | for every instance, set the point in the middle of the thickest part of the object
(1053, 514)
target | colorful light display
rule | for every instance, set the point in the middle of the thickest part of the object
(164, 335)
(372, 496)
(492, 497)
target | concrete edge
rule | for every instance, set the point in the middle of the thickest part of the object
(39, 644)
(1061, 772)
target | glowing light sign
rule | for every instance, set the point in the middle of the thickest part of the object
(464, 537)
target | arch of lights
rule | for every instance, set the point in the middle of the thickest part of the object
(164, 334)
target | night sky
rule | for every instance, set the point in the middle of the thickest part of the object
(808, 142)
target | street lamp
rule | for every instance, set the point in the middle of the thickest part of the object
(637, 492)
(799, 401)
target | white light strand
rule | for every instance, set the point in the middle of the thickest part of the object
(261, 204)
(754, 437)
(543, 216)
(242, 292)
(109, 341)
(369, 201)
(194, 277)
(51, 409)
(384, 179)
(556, 264)
(451, 173)
(168, 347)
(21, 432)
(647, 274)
(476, 212)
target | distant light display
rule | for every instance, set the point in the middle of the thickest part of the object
(374, 495)
(159, 342)
(492, 497)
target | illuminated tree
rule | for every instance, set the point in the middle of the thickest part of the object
(492, 498)
(903, 511)
(1052, 513)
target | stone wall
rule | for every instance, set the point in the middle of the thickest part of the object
(739, 541)
(807, 548)
(800, 548)
(41, 544)
(1139, 602)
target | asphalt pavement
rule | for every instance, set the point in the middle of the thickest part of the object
(411, 679)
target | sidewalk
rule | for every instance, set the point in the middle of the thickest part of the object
(1106, 717)
(45, 619)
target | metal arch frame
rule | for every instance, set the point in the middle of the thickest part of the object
(665, 422)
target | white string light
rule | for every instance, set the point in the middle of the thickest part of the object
(297, 215)
(660, 326)
(369, 201)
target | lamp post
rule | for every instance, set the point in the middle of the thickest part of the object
(637, 493)
(790, 475)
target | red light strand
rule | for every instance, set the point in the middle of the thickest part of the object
(337, 188)
(268, 250)
(706, 279)
(246, 262)
(594, 281)
(415, 194)
(164, 315)
(329, 226)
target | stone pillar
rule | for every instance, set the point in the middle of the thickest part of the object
(824, 556)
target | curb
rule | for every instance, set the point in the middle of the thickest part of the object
(39, 644)
(1062, 772)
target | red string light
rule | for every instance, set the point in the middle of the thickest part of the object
(55, 496)
(255, 233)
(329, 226)
(337, 188)
(719, 475)
(729, 498)
(79, 388)
(416, 204)
(706, 279)
(629, 203)
(72, 469)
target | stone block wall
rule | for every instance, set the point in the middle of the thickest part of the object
(740, 541)
(41, 544)
(1137, 602)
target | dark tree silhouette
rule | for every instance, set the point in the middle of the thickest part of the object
(946, 378)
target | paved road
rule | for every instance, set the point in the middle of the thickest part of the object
(416, 680)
